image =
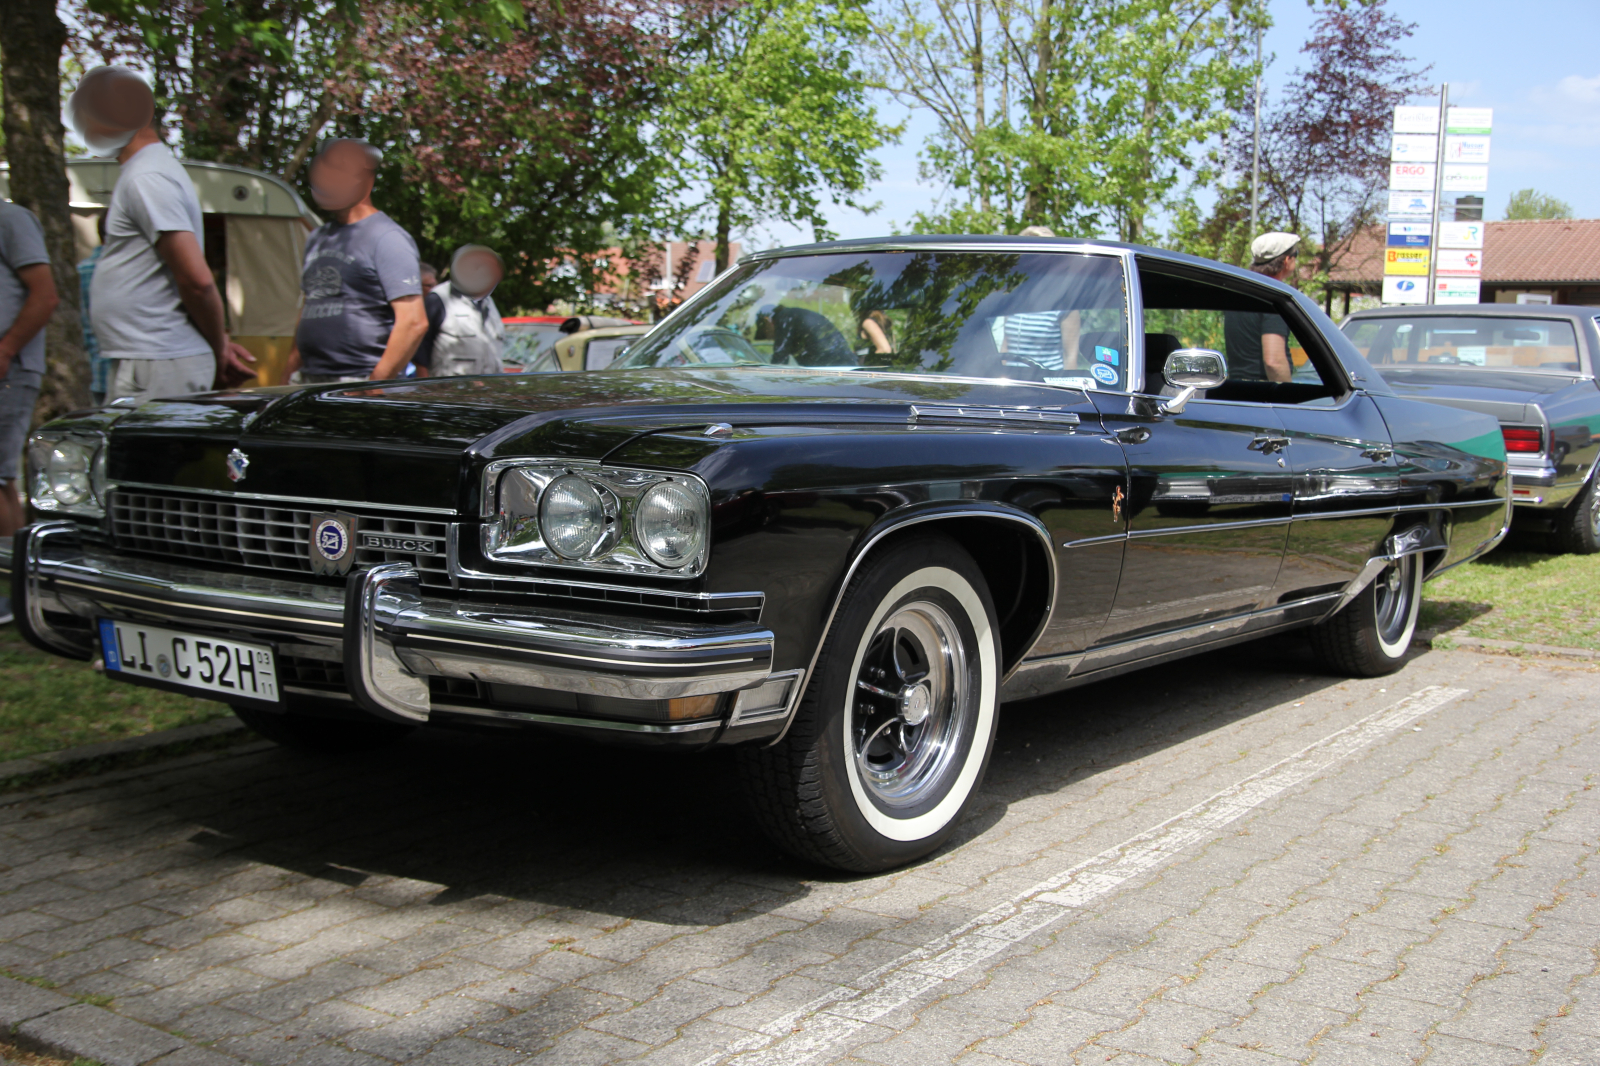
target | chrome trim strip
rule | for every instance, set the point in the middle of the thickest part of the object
(1314, 516)
(380, 674)
(31, 566)
(598, 660)
(715, 601)
(311, 503)
(1232, 621)
(944, 513)
(586, 723)
(275, 601)
(892, 245)
(1133, 298)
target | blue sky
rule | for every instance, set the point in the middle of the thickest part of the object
(1537, 64)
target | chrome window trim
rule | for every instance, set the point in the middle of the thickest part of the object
(312, 502)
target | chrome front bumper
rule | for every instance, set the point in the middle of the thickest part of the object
(391, 638)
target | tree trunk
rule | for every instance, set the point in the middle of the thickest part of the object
(33, 38)
(1036, 204)
(724, 234)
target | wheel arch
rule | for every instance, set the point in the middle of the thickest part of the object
(1022, 581)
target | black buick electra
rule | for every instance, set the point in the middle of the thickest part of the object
(835, 511)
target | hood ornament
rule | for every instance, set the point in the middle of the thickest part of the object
(237, 463)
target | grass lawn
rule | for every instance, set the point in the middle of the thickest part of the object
(1519, 595)
(48, 703)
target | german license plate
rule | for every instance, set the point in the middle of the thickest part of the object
(207, 664)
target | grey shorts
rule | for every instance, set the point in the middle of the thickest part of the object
(151, 379)
(18, 393)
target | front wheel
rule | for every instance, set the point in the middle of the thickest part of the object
(1371, 634)
(893, 735)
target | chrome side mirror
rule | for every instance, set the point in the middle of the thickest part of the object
(1189, 370)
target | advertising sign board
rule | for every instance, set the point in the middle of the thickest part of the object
(1414, 148)
(1460, 262)
(1418, 205)
(1463, 177)
(1404, 291)
(1456, 291)
(1412, 261)
(1465, 150)
(1411, 177)
(1404, 235)
(1461, 235)
(1468, 120)
(1416, 120)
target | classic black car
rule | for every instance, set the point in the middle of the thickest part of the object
(1533, 368)
(835, 510)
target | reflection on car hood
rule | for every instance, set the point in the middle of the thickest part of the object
(1506, 394)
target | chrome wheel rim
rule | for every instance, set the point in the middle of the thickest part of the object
(1594, 512)
(909, 705)
(1394, 588)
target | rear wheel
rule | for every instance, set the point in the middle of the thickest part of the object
(1371, 634)
(1578, 525)
(893, 736)
(331, 736)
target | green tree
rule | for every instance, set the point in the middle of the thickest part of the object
(1527, 204)
(769, 114)
(1081, 115)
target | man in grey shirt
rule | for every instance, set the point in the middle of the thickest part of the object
(153, 302)
(362, 281)
(27, 300)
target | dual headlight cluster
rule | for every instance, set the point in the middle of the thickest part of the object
(67, 473)
(596, 517)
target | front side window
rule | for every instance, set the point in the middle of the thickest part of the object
(1480, 341)
(1057, 318)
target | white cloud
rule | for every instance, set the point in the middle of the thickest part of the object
(1579, 89)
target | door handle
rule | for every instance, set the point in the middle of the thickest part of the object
(1134, 434)
(1378, 452)
(1268, 445)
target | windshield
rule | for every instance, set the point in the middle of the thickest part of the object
(1479, 341)
(527, 341)
(1059, 318)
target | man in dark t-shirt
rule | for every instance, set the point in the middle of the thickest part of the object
(1258, 341)
(362, 281)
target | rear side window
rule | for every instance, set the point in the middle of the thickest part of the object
(1479, 341)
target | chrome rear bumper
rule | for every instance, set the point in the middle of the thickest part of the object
(389, 636)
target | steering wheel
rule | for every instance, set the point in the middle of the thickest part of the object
(1012, 359)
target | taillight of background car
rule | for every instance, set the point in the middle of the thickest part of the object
(1523, 438)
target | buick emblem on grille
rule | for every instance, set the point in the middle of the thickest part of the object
(387, 542)
(333, 543)
(237, 462)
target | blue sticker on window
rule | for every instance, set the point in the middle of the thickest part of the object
(1108, 355)
(1104, 373)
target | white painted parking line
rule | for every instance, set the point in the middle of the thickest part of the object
(819, 1027)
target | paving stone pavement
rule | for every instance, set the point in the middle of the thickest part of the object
(1428, 895)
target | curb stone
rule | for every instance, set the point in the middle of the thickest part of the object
(1518, 645)
(53, 1024)
(106, 749)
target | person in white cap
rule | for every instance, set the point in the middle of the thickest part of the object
(1258, 341)
(465, 334)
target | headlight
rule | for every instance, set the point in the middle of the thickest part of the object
(670, 524)
(572, 516)
(593, 517)
(67, 472)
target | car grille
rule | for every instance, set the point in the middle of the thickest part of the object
(256, 534)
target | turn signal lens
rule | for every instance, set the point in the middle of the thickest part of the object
(1523, 438)
(670, 524)
(572, 516)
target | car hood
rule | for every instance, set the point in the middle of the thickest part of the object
(1507, 395)
(412, 442)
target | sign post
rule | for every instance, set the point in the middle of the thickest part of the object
(1430, 258)
(1438, 182)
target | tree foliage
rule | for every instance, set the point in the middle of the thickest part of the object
(769, 108)
(523, 127)
(1526, 204)
(1081, 115)
(1325, 141)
